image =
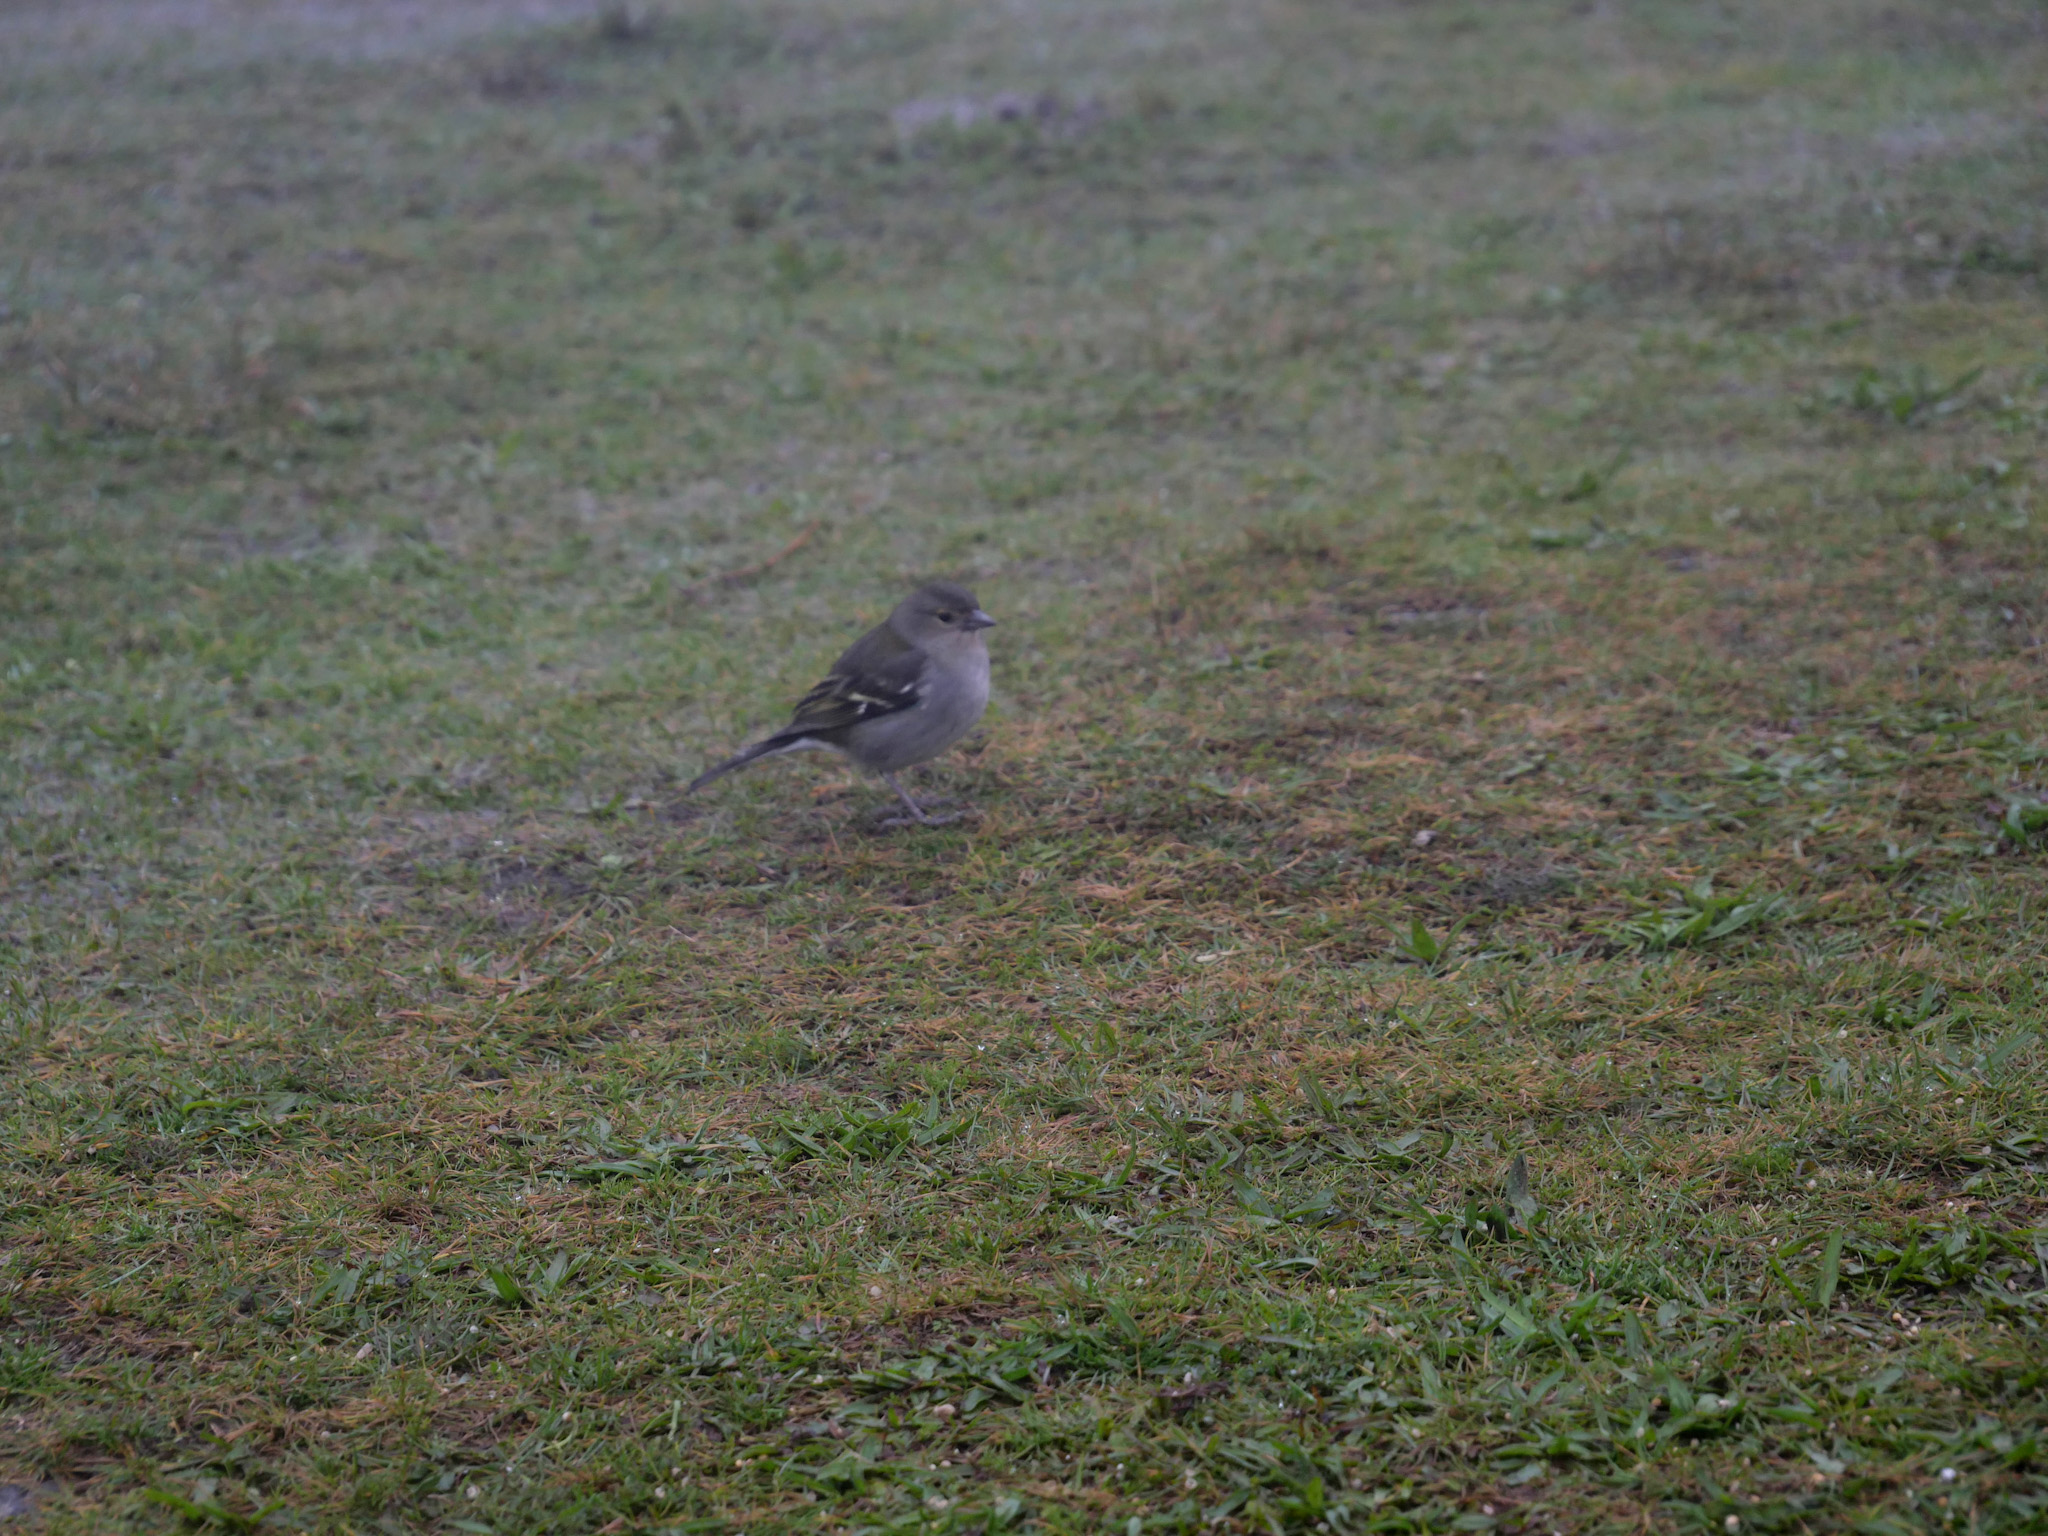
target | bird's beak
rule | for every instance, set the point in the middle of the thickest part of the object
(978, 620)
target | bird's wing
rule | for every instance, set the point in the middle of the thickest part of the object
(880, 674)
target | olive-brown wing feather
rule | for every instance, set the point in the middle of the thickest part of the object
(879, 675)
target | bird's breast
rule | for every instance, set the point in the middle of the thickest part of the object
(977, 680)
(957, 690)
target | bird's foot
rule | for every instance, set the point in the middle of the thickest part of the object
(918, 816)
(921, 819)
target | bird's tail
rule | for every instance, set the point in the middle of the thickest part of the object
(774, 746)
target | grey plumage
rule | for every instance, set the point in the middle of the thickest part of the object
(899, 696)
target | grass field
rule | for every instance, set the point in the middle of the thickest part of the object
(1491, 979)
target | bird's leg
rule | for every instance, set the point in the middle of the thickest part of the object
(917, 812)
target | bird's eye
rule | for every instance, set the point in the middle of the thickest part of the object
(945, 617)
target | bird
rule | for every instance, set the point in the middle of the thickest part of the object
(900, 695)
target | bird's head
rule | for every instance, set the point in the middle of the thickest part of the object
(939, 610)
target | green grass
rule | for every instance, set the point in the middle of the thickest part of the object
(1492, 980)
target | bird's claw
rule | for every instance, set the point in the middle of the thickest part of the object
(922, 820)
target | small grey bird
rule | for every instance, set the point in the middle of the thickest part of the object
(903, 693)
